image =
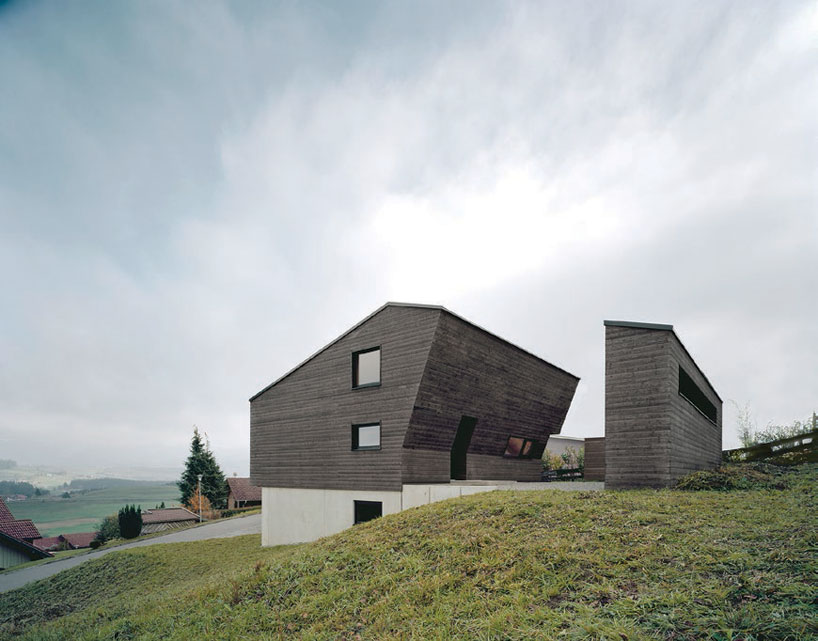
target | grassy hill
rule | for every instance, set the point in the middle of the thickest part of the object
(503, 565)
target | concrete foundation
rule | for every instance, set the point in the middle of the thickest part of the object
(294, 515)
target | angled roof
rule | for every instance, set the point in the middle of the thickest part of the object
(80, 539)
(21, 529)
(5, 513)
(168, 515)
(26, 548)
(47, 542)
(394, 304)
(666, 328)
(243, 490)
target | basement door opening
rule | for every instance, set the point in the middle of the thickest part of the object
(462, 439)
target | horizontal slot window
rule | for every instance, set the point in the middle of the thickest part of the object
(693, 394)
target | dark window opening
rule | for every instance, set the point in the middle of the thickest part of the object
(691, 392)
(518, 447)
(367, 510)
(366, 437)
(366, 368)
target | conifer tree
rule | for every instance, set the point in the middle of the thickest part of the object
(130, 521)
(201, 461)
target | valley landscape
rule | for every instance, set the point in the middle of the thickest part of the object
(84, 509)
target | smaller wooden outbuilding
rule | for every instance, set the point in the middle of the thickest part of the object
(168, 518)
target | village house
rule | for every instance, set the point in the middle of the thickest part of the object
(16, 537)
(242, 493)
(72, 541)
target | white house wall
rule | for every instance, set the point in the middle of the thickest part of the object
(297, 515)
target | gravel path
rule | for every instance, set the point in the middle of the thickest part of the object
(218, 530)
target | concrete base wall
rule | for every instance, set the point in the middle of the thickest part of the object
(296, 515)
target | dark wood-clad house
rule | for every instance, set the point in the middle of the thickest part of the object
(662, 416)
(389, 413)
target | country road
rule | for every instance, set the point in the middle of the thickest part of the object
(217, 530)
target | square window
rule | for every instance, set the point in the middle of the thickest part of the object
(367, 510)
(366, 437)
(366, 368)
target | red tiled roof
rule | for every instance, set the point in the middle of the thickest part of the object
(80, 539)
(242, 490)
(23, 529)
(5, 513)
(47, 542)
(168, 515)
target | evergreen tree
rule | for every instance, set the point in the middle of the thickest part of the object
(201, 461)
(130, 521)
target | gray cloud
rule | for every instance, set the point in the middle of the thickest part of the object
(193, 201)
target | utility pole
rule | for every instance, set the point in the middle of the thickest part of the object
(200, 498)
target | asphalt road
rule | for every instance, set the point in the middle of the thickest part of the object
(217, 530)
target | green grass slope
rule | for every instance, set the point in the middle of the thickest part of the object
(502, 565)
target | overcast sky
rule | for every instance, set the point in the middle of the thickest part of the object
(196, 196)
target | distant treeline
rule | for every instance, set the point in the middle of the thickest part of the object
(7, 464)
(10, 488)
(104, 483)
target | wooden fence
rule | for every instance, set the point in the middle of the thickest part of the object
(786, 451)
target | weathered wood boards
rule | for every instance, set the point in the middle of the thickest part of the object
(595, 459)
(435, 368)
(653, 433)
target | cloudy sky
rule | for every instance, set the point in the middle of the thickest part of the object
(196, 196)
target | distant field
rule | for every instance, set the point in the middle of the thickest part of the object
(82, 512)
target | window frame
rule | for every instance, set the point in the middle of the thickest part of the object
(354, 437)
(355, 356)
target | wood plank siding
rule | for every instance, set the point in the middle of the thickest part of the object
(595, 459)
(435, 368)
(695, 439)
(471, 372)
(300, 428)
(652, 434)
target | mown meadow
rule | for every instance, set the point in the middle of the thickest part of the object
(670, 564)
(85, 509)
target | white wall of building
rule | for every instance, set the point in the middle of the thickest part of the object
(558, 444)
(296, 515)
